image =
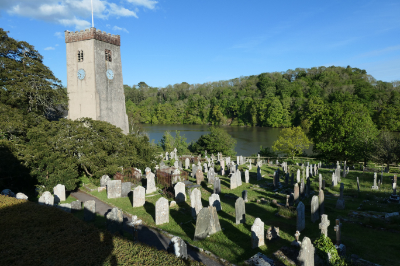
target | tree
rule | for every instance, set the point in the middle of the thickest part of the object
(216, 141)
(291, 141)
(386, 148)
(343, 131)
(275, 113)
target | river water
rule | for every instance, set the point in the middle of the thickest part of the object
(248, 139)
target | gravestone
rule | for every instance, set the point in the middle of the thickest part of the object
(257, 234)
(180, 165)
(301, 217)
(314, 209)
(308, 187)
(296, 192)
(114, 189)
(233, 183)
(320, 181)
(178, 247)
(358, 185)
(375, 187)
(259, 173)
(302, 189)
(291, 199)
(138, 196)
(205, 168)
(199, 176)
(21, 196)
(207, 223)
(195, 202)
(239, 178)
(151, 183)
(65, 207)
(46, 199)
(187, 163)
(246, 176)
(321, 198)
(215, 201)
(194, 169)
(59, 193)
(217, 185)
(287, 179)
(244, 195)
(211, 176)
(287, 200)
(176, 164)
(338, 230)
(114, 221)
(298, 175)
(296, 242)
(240, 211)
(306, 254)
(126, 187)
(340, 202)
(162, 211)
(323, 184)
(214, 221)
(324, 224)
(180, 193)
(76, 205)
(103, 180)
(89, 210)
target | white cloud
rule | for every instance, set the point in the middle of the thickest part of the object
(73, 12)
(56, 45)
(122, 29)
(59, 35)
(49, 48)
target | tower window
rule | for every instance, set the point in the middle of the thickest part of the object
(108, 55)
(80, 56)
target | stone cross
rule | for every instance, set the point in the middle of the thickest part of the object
(375, 185)
(338, 229)
(324, 224)
(297, 235)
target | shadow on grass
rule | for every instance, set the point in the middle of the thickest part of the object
(150, 209)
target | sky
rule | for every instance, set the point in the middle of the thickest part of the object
(165, 42)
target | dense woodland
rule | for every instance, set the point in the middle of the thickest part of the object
(276, 99)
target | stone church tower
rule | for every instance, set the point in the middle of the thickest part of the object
(95, 86)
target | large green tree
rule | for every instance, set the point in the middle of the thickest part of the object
(291, 141)
(387, 148)
(216, 141)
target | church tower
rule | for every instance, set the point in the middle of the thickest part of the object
(94, 77)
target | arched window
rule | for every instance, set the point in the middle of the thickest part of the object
(80, 56)
(108, 55)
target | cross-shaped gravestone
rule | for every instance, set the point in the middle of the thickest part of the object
(338, 229)
(324, 224)
(297, 235)
(375, 185)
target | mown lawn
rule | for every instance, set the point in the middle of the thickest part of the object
(233, 242)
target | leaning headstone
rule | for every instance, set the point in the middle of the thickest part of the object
(215, 201)
(324, 224)
(139, 196)
(89, 210)
(301, 217)
(59, 193)
(257, 234)
(114, 220)
(240, 210)
(217, 185)
(314, 209)
(151, 183)
(306, 254)
(114, 189)
(162, 211)
(214, 221)
(202, 224)
(126, 187)
(296, 192)
(321, 198)
(46, 199)
(103, 180)
(76, 205)
(246, 176)
(340, 202)
(178, 247)
(195, 202)
(180, 193)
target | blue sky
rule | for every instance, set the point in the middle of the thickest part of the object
(196, 41)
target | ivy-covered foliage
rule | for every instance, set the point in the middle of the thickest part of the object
(324, 246)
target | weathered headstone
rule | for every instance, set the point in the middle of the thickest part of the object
(314, 209)
(89, 210)
(246, 176)
(324, 224)
(217, 185)
(244, 195)
(195, 202)
(162, 211)
(298, 175)
(138, 196)
(301, 217)
(296, 192)
(259, 173)
(302, 188)
(178, 247)
(76, 205)
(320, 181)
(257, 234)
(239, 178)
(338, 230)
(340, 204)
(321, 198)
(291, 199)
(46, 199)
(215, 201)
(126, 187)
(114, 189)
(21, 196)
(199, 176)
(103, 180)
(307, 253)
(234, 180)
(187, 163)
(114, 220)
(375, 186)
(151, 183)
(59, 193)
(240, 210)
(214, 221)
(180, 193)
(211, 176)
(207, 223)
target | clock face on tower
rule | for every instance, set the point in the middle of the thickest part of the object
(110, 74)
(81, 74)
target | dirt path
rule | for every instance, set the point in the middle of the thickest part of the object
(146, 235)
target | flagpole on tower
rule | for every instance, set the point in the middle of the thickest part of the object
(92, 14)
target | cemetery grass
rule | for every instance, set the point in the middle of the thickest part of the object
(234, 241)
(42, 235)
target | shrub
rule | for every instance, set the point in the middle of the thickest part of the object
(323, 246)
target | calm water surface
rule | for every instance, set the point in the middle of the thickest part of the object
(248, 139)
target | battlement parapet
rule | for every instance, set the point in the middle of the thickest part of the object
(92, 33)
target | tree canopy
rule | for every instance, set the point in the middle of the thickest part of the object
(291, 141)
(216, 141)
